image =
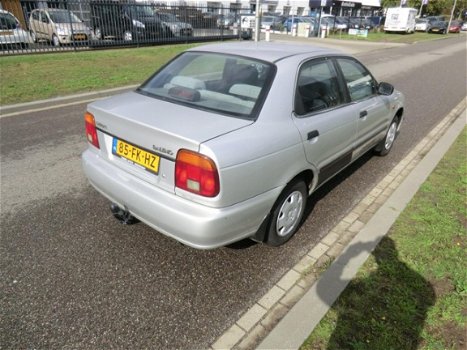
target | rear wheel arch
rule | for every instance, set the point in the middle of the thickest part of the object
(264, 232)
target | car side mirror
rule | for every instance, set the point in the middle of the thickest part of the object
(385, 89)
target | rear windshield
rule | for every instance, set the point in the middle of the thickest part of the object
(226, 84)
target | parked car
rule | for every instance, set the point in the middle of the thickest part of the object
(270, 22)
(455, 27)
(332, 23)
(58, 26)
(464, 26)
(11, 32)
(126, 21)
(360, 23)
(174, 25)
(439, 27)
(377, 21)
(227, 141)
(421, 25)
(289, 22)
(228, 20)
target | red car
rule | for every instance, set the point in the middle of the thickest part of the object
(455, 27)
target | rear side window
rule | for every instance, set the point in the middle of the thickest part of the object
(317, 87)
(360, 83)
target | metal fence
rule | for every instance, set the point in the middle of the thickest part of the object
(29, 26)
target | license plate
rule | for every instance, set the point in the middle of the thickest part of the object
(80, 37)
(136, 155)
(6, 33)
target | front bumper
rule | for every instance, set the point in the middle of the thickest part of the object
(192, 224)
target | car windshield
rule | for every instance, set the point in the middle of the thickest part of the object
(226, 84)
(168, 17)
(63, 17)
(7, 21)
(141, 11)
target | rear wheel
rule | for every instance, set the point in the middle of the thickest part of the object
(287, 213)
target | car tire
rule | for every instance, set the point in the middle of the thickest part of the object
(55, 41)
(127, 36)
(385, 146)
(287, 213)
(33, 36)
(97, 34)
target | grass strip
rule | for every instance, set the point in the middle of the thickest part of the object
(411, 293)
(391, 37)
(40, 76)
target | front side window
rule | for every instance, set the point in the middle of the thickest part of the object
(227, 84)
(317, 87)
(360, 83)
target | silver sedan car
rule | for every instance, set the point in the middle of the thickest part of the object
(227, 141)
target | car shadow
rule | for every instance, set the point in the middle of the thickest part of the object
(385, 307)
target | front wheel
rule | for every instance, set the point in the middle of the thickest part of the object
(385, 146)
(33, 36)
(127, 36)
(287, 213)
(55, 41)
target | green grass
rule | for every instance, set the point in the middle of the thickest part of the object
(392, 37)
(411, 293)
(40, 76)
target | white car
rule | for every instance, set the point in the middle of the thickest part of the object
(227, 141)
(11, 32)
(421, 25)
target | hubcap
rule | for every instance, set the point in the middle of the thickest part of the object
(127, 36)
(390, 137)
(289, 214)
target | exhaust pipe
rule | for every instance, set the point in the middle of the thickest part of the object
(123, 215)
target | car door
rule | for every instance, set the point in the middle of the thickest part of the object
(327, 124)
(372, 109)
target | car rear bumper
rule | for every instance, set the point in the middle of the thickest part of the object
(193, 224)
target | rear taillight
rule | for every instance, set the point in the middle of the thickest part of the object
(196, 173)
(91, 131)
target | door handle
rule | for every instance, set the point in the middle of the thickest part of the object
(312, 134)
(363, 114)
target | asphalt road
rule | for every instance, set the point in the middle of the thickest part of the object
(72, 276)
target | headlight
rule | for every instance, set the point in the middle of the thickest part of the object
(138, 24)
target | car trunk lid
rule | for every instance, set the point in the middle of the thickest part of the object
(157, 127)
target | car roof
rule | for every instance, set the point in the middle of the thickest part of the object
(266, 51)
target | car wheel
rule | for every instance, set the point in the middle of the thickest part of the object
(55, 41)
(287, 213)
(385, 146)
(33, 36)
(127, 36)
(97, 34)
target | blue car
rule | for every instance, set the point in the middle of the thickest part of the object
(295, 20)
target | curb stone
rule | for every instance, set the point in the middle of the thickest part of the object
(302, 276)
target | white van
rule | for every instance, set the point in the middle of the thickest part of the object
(400, 19)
